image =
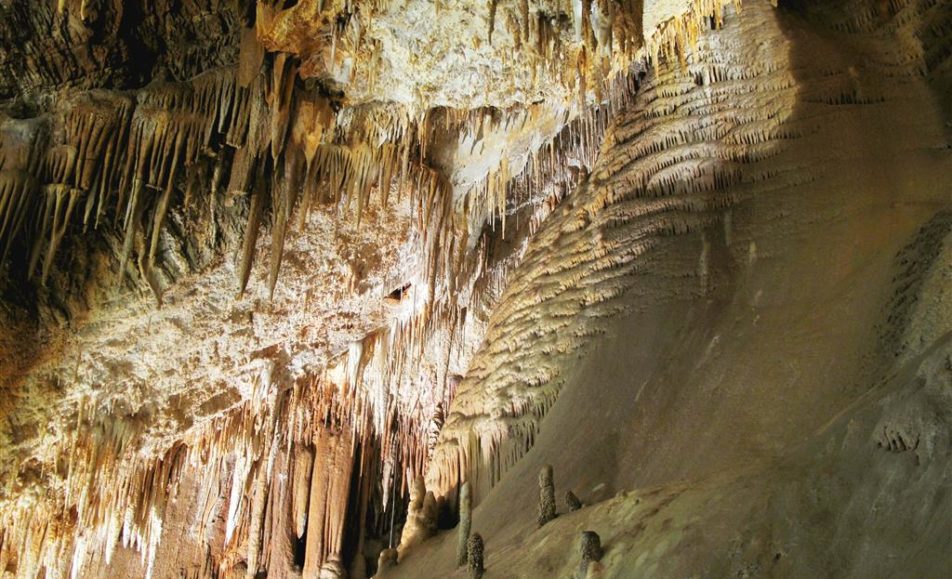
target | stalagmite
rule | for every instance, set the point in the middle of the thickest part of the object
(386, 561)
(590, 549)
(546, 495)
(421, 517)
(572, 501)
(474, 557)
(465, 524)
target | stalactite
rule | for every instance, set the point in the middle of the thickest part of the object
(492, 19)
(301, 487)
(250, 238)
(330, 485)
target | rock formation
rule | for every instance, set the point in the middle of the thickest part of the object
(387, 560)
(474, 556)
(465, 525)
(590, 550)
(421, 516)
(546, 495)
(289, 286)
(572, 502)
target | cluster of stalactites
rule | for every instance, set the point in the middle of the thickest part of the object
(582, 45)
(115, 155)
(364, 399)
(310, 430)
(601, 30)
(107, 499)
(608, 38)
(111, 497)
(677, 36)
(123, 155)
(125, 158)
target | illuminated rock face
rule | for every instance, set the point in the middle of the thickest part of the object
(278, 277)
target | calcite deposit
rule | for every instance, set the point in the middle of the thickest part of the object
(317, 288)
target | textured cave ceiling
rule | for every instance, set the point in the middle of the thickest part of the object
(267, 266)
